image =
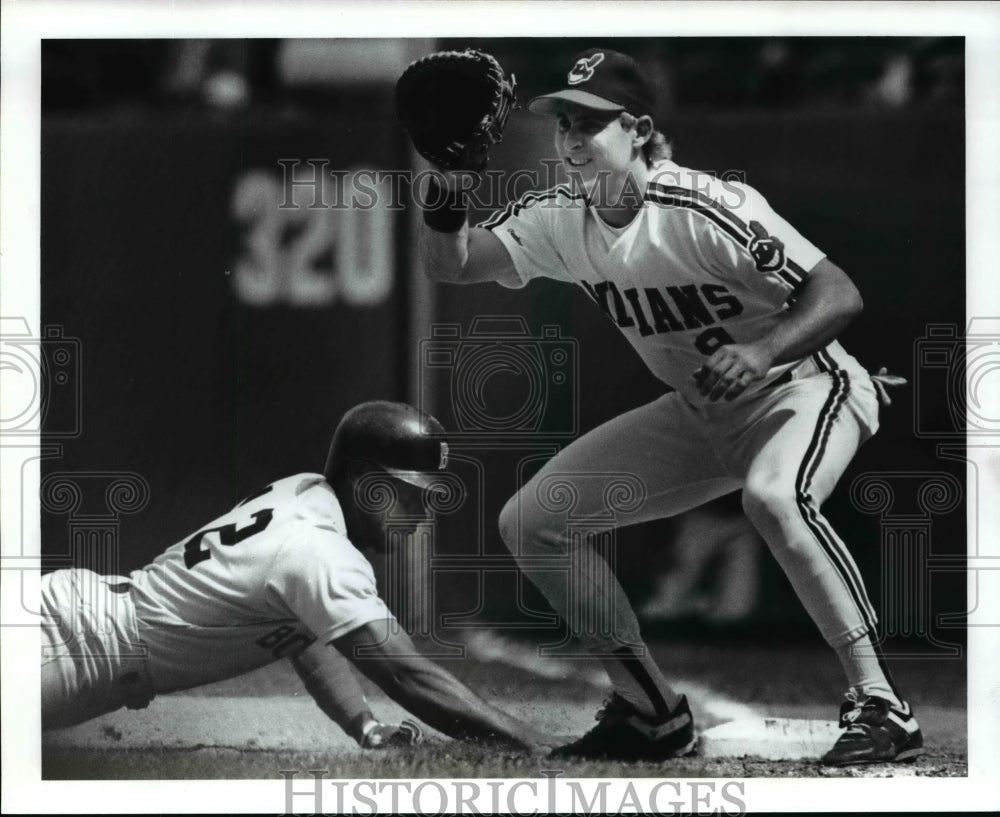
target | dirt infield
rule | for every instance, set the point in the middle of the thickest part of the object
(183, 737)
(254, 727)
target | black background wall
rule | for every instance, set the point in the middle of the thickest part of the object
(205, 392)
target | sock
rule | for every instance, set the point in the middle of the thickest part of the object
(866, 672)
(639, 681)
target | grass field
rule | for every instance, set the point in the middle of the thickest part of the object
(255, 726)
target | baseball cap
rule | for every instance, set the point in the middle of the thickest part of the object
(603, 80)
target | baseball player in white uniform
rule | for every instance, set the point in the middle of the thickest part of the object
(736, 311)
(281, 575)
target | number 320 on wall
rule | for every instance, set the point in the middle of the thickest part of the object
(301, 255)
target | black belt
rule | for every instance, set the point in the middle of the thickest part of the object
(781, 381)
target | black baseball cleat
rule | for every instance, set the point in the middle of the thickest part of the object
(624, 733)
(875, 732)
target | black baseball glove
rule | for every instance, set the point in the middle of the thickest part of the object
(454, 105)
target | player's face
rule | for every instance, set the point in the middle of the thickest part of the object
(390, 510)
(592, 142)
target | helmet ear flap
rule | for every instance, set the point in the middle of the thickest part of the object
(355, 469)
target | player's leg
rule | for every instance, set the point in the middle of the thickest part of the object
(801, 440)
(63, 673)
(92, 660)
(645, 464)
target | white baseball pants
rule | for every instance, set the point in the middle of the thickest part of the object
(785, 446)
(92, 659)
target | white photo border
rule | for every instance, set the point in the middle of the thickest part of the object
(27, 23)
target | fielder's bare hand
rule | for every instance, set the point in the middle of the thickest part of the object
(731, 368)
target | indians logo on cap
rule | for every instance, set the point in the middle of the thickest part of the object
(584, 68)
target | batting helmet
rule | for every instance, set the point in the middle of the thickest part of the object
(394, 437)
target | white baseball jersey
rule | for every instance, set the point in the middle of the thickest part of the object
(704, 262)
(259, 583)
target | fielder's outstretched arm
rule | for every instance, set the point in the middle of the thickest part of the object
(453, 252)
(470, 256)
(430, 692)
